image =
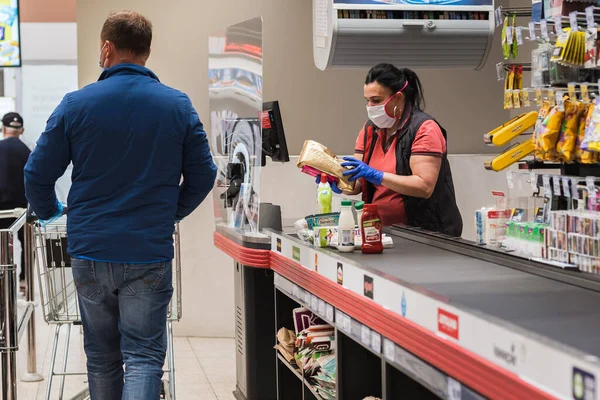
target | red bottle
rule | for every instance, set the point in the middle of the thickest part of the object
(370, 228)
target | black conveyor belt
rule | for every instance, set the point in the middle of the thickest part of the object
(560, 311)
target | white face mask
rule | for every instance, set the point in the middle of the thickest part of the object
(100, 63)
(379, 117)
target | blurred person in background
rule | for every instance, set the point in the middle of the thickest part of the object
(13, 157)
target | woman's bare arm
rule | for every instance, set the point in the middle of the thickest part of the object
(421, 183)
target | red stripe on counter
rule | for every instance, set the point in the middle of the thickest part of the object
(470, 369)
(251, 257)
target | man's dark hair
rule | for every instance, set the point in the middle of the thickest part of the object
(128, 31)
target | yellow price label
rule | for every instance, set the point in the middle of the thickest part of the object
(572, 93)
(525, 95)
(538, 97)
(550, 95)
(516, 98)
(508, 99)
(585, 94)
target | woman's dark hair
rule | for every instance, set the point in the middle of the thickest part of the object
(393, 78)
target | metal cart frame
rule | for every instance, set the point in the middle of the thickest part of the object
(12, 326)
(60, 305)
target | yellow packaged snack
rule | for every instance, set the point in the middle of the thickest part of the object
(544, 110)
(514, 51)
(569, 129)
(591, 141)
(547, 135)
(505, 45)
(560, 48)
(581, 155)
(509, 83)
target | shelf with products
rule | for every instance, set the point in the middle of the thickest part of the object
(546, 217)
(368, 364)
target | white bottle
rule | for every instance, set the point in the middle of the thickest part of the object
(346, 226)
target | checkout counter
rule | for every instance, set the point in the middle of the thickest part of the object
(432, 317)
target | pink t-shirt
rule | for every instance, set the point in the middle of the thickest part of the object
(429, 141)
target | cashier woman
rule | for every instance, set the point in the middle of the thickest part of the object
(400, 161)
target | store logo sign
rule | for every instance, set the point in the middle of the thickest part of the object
(584, 385)
(279, 245)
(448, 323)
(368, 287)
(507, 356)
(403, 305)
(296, 253)
(340, 273)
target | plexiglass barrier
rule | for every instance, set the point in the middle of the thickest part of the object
(235, 72)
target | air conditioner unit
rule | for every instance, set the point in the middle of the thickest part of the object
(407, 33)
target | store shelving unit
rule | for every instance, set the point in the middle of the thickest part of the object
(362, 368)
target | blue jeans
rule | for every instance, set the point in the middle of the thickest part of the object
(124, 317)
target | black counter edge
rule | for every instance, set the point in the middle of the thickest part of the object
(470, 249)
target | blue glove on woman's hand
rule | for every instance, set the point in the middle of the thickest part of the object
(362, 170)
(334, 186)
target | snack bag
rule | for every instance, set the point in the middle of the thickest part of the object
(569, 129)
(514, 51)
(505, 45)
(592, 132)
(509, 83)
(547, 134)
(581, 154)
(544, 110)
(563, 43)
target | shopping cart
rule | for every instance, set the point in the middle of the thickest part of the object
(61, 308)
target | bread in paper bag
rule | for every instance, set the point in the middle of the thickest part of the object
(316, 155)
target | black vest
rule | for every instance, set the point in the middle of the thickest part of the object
(439, 213)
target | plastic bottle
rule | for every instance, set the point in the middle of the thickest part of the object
(358, 206)
(324, 195)
(346, 226)
(371, 230)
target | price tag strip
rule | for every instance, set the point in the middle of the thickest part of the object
(541, 362)
(544, 29)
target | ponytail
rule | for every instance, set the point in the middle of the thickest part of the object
(395, 79)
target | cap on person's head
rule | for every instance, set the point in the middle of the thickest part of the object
(12, 120)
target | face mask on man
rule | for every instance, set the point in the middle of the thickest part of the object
(100, 63)
(378, 114)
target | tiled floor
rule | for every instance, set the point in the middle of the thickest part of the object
(205, 367)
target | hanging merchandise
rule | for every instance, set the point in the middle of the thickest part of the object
(514, 51)
(547, 135)
(505, 45)
(509, 83)
(591, 48)
(560, 48)
(517, 87)
(544, 110)
(581, 154)
(568, 131)
(540, 65)
(592, 132)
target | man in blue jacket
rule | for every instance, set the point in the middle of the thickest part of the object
(130, 139)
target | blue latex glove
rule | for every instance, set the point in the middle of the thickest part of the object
(334, 186)
(59, 213)
(361, 170)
